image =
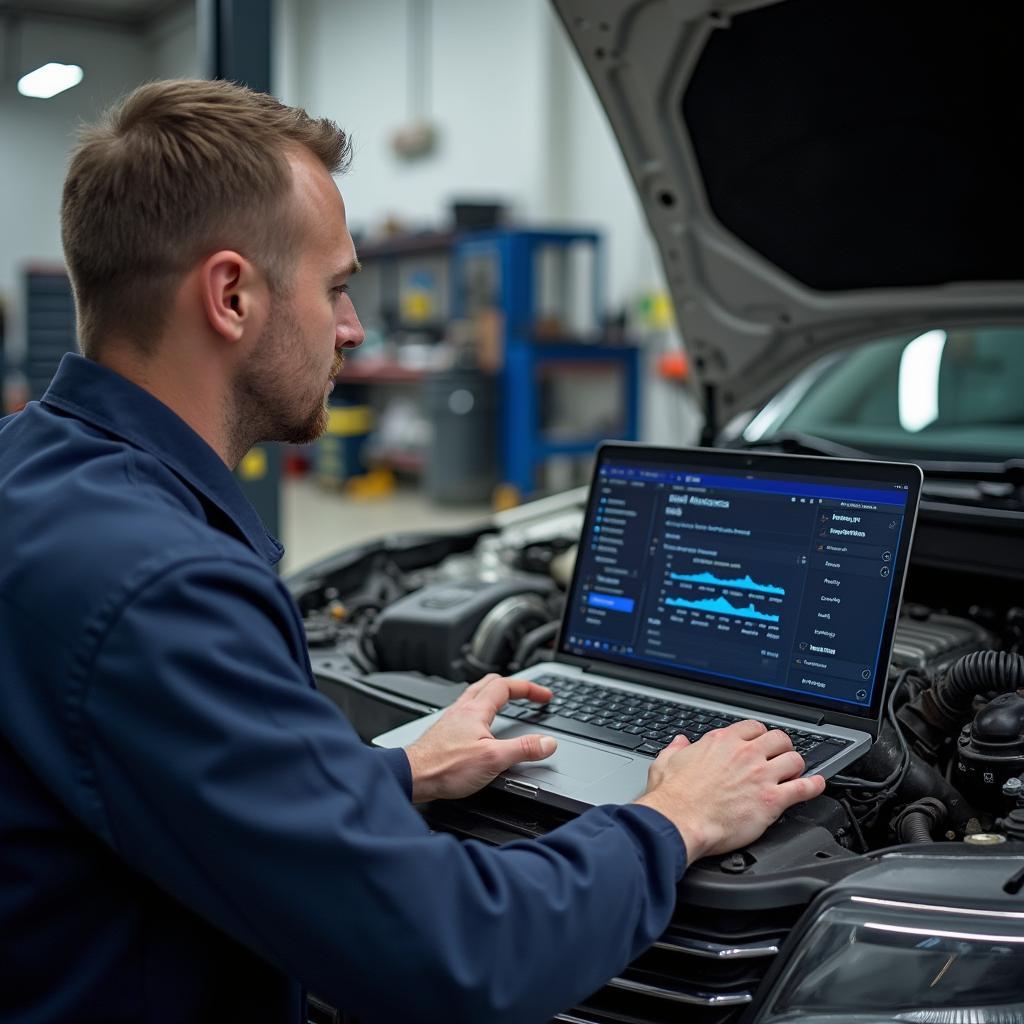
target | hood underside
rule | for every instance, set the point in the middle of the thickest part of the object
(816, 172)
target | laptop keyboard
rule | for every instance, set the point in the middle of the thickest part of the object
(635, 721)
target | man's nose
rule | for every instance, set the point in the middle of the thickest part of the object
(349, 331)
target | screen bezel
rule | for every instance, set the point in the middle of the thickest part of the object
(851, 471)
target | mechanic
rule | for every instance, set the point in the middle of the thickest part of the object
(189, 831)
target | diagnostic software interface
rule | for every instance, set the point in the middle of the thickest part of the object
(776, 583)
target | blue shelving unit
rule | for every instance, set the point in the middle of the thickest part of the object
(528, 350)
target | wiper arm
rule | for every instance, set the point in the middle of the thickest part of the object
(798, 443)
(1011, 471)
(989, 480)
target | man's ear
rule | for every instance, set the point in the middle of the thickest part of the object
(233, 294)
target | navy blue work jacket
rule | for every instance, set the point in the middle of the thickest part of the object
(189, 831)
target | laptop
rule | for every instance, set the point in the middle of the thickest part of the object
(712, 586)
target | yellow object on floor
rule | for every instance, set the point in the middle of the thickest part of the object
(378, 483)
(506, 496)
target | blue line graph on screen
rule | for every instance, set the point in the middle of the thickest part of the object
(743, 583)
(720, 606)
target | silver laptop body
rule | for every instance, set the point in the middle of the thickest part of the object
(717, 585)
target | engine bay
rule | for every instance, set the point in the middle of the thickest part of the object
(414, 618)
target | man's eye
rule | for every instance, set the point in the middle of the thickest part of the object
(341, 289)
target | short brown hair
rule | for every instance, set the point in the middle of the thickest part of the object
(175, 170)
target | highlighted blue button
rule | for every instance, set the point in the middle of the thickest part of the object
(615, 604)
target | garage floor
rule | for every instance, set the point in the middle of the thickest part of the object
(316, 522)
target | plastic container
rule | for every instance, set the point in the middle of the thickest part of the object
(338, 455)
(459, 403)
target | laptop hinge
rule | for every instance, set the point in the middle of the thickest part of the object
(692, 688)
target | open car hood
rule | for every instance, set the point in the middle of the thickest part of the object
(816, 171)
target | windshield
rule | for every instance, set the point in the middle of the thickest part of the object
(942, 395)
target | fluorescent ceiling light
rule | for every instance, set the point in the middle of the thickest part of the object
(49, 80)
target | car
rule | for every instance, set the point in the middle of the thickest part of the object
(833, 189)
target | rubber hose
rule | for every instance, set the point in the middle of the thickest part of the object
(916, 822)
(529, 644)
(974, 673)
(922, 779)
(916, 827)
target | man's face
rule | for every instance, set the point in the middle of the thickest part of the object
(284, 386)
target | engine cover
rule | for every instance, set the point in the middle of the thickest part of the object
(429, 629)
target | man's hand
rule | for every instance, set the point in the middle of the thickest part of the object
(724, 790)
(458, 755)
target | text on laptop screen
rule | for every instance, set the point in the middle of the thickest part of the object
(780, 584)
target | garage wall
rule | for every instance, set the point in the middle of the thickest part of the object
(516, 115)
(487, 95)
(517, 118)
(173, 44)
(38, 135)
(596, 181)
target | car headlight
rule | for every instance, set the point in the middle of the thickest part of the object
(867, 960)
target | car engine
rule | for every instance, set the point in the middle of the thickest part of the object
(417, 617)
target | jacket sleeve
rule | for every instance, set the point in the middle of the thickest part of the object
(241, 791)
(397, 760)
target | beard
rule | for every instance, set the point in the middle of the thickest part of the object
(314, 424)
(276, 394)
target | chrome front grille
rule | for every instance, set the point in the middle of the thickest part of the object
(691, 976)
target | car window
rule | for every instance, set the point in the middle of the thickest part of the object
(943, 394)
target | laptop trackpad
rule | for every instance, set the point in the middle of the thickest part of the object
(571, 759)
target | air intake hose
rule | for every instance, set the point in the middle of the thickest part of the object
(940, 711)
(977, 672)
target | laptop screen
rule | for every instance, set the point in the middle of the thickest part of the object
(775, 575)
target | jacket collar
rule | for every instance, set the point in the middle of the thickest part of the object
(99, 396)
